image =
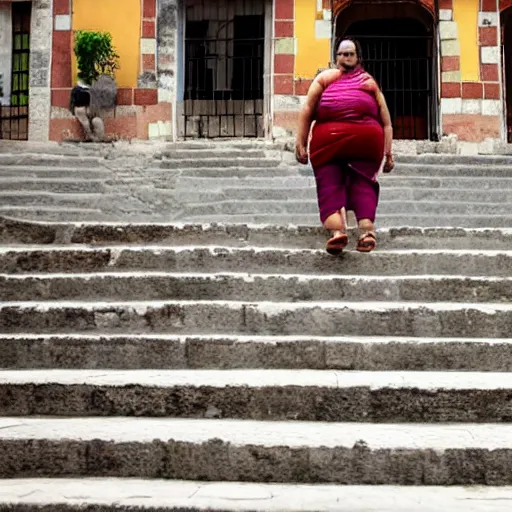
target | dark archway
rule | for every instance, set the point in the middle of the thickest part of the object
(398, 42)
(506, 35)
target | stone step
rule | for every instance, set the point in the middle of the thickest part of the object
(56, 185)
(383, 220)
(402, 169)
(68, 259)
(54, 213)
(414, 319)
(401, 207)
(309, 194)
(64, 172)
(170, 352)
(126, 495)
(224, 165)
(48, 160)
(447, 159)
(232, 167)
(291, 182)
(218, 236)
(311, 395)
(199, 145)
(64, 199)
(445, 170)
(161, 286)
(213, 153)
(281, 452)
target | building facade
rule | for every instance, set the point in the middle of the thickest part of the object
(242, 68)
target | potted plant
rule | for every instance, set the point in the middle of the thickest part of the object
(95, 56)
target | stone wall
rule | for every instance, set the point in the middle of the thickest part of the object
(40, 71)
(143, 112)
(471, 109)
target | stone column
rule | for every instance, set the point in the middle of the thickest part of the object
(40, 62)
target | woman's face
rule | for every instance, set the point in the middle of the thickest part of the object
(346, 56)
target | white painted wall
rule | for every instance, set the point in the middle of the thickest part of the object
(5, 52)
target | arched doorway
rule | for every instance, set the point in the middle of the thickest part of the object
(398, 42)
(506, 41)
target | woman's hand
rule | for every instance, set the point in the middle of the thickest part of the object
(389, 163)
(301, 153)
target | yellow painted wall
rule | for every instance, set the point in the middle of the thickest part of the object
(465, 13)
(312, 53)
(123, 22)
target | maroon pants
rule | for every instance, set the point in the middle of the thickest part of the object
(340, 185)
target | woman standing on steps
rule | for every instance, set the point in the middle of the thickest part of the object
(351, 135)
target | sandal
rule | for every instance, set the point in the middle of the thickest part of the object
(336, 244)
(367, 242)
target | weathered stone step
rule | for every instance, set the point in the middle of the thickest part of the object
(35, 159)
(240, 167)
(383, 220)
(53, 213)
(224, 165)
(386, 207)
(145, 286)
(288, 452)
(128, 495)
(73, 200)
(447, 159)
(212, 153)
(57, 172)
(291, 182)
(64, 185)
(309, 194)
(263, 318)
(139, 352)
(467, 170)
(218, 236)
(311, 395)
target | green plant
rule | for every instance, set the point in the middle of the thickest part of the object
(95, 55)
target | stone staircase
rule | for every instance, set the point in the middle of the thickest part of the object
(240, 183)
(231, 368)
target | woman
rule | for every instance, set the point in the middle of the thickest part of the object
(352, 133)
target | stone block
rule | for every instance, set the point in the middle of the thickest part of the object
(491, 107)
(448, 30)
(451, 105)
(490, 54)
(488, 19)
(451, 76)
(62, 22)
(471, 106)
(323, 29)
(445, 14)
(147, 46)
(285, 45)
(450, 48)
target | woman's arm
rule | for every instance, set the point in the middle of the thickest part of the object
(308, 111)
(386, 122)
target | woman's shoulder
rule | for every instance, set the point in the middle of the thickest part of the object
(369, 83)
(328, 76)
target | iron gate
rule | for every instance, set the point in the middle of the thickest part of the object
(14, 116)
(403, 66)
(224, 64)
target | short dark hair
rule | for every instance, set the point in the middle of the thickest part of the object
(357, 44)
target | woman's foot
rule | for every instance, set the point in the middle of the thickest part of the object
(337, 223)
(367, 238)
(337, 243)
(367, 242)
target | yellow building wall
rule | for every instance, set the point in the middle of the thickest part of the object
(465, 13)
(311, 53)
(123, 22)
